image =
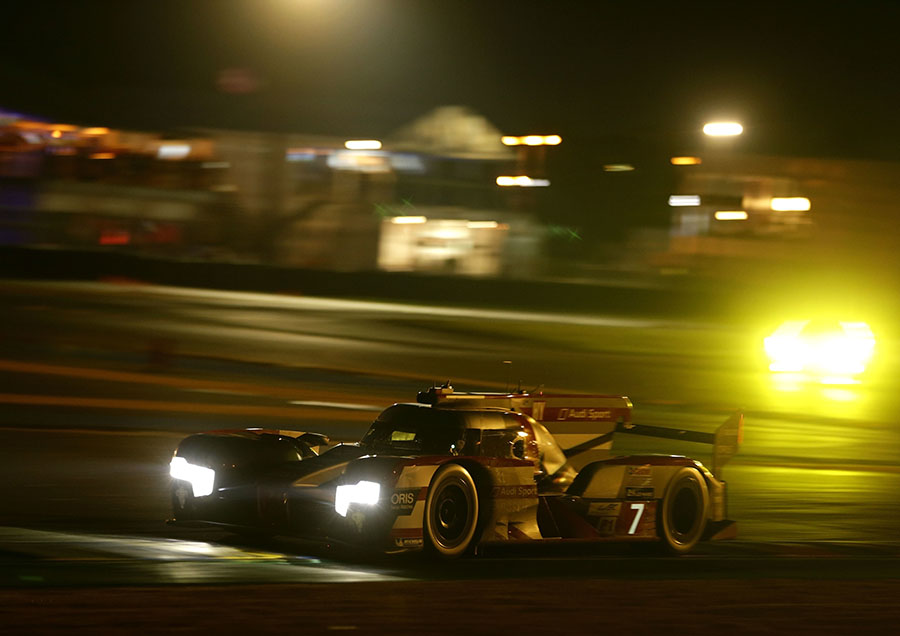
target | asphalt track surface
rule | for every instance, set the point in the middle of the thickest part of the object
(100, 382)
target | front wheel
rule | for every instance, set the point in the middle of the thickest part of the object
(682, 515)
(451, 512)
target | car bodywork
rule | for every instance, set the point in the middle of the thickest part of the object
(455, 472)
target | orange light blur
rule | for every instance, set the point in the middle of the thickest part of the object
(685, 161)
(103, 155)
(97, 130)
(56, 134)
(531, 140)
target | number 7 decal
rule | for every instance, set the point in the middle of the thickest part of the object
(639, 511)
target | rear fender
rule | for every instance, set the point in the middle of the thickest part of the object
(643, 478)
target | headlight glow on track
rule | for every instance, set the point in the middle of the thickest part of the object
(363, 492)
(200, 477)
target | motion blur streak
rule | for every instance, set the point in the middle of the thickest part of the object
(790, 204)
(148, 405)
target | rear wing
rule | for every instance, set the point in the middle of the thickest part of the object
(726, 440)
(585, 424)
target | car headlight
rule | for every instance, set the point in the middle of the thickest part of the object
(823, 348)
(200, 477)
(363, 492)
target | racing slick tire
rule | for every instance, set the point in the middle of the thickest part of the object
(183, 503)
(451, 512)
(683, 512)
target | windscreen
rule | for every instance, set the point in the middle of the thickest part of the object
(410, 430)
(239, 452)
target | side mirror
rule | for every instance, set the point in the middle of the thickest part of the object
(519, 448)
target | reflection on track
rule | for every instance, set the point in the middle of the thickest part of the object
(40, 558)
(59, 558)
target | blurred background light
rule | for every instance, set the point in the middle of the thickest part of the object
(408, 220)
(531, 140)
(369, 161)
(731, 215)
(618, 167)
(522, 182)
(684, 200)
(722, 129)
(362, 144)
(685, 161)
(173, 151)
(789, 204)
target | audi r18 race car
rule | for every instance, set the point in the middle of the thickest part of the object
(455, 472)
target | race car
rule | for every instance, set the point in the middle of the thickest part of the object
(823, 350)
(455, 472)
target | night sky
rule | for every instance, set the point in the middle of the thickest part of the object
(804, 78)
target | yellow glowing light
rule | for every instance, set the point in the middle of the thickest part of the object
(552, 140)
(56, 134)
(731, 215)
(789, 204)
(362, 144)
(685, 161)
(533, 140)
(618, 167)
(408, 220)
(824, 349)
(97, 130)
(509, 140)
(522, 181)
(723, 129)
(840, 395)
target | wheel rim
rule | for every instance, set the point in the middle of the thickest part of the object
(451, 514)
(684, 512)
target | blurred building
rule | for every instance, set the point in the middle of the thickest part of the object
(737, 211)
(424, 199)
(66, 185)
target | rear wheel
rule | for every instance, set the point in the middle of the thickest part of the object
(451, 512)
(682, 515)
